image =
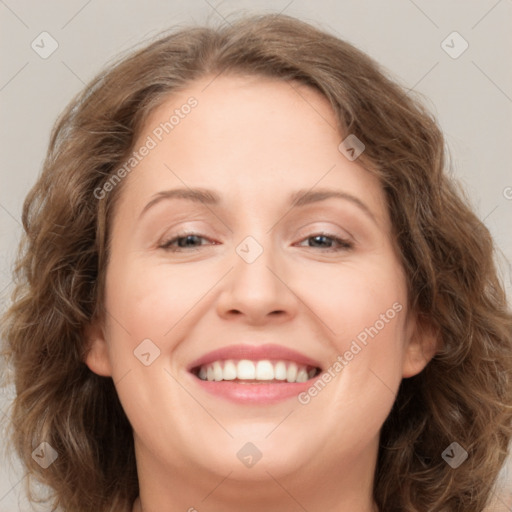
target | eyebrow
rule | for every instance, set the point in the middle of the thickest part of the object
(299, 198)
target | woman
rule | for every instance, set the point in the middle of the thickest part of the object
(247, 283)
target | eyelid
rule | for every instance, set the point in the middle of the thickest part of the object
(332, 230)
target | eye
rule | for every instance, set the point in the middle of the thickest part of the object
(183, 241)
(323, 241)
(328, 242)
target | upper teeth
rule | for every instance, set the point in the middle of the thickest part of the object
(256, 370)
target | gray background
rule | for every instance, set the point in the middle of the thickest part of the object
(471, 95)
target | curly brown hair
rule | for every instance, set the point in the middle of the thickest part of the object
(465, 392)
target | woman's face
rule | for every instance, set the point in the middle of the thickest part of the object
(286, 272)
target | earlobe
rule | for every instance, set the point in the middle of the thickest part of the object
(97, 356)
(421, 348)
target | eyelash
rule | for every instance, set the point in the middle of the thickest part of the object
(344, 245)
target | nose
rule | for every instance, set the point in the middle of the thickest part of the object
(257, 291)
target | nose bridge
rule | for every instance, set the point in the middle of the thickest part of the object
(253, 288)
(252, 267)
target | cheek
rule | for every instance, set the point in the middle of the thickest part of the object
(158, 303)
(354, 300)
(153, 301)
(363, 311)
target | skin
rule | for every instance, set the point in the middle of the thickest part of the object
(254, 141)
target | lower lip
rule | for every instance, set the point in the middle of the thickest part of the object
(254, 393)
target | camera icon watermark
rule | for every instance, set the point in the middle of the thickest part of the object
(45, 455)
(44, 45)
(249, 249)
(454, 45)
(454, 455)
(249, 455)
(507, 193)
(146, 352)
(351, 147)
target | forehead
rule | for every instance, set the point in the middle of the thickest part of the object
(241, 105)
(248, 137)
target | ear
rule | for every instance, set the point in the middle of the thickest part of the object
(97, 357)
(421, 347)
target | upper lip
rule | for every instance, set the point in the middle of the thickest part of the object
(254, 353)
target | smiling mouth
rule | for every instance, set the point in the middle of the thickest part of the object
(246, 371)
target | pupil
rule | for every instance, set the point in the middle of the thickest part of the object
(320, 238)
(184, 242)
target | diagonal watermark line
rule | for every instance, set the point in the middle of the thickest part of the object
(117, 321)
(199, 403)
(286, 491)
(76, 14)
(12, 488)
(297, 91)
(297, 200)
(14, 76)
(497, 495)
(14, 14)
(490, 213)
(5, 415)
(280, 423)
(218, 12)
(486, 14)
(286, 7)
(424, 13)
(492, 81)
(199, 300)
(423, 77)
(204, 204)
(392, 392)
(73, 72)
(216, 487)
(9, 417)
(118, 381)
(212, 80)
(10, 214)
(300, 299)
